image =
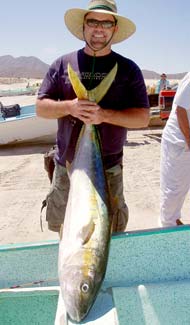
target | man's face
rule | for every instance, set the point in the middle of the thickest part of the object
(98, 30)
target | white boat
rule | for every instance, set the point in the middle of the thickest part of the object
(26, 127)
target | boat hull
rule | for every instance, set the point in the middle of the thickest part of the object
(27, 127)
(159, 291)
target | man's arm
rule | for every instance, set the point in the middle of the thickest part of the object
(183, 123)
(128, 118)
(92, 113)
(52, 109)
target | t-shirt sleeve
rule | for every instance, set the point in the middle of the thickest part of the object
(138, 89)
(49, 87)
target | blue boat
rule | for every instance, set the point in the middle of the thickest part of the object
(147, 282)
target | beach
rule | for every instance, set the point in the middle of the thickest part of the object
(24, 184)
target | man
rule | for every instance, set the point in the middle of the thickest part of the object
(175, 157)
(163, 83)
(124, 106)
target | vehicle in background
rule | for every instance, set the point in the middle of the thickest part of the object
(165, 101)
(161, 105)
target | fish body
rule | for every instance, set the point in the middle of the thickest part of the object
(84, 246)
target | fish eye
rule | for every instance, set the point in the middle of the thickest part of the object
(85, 287)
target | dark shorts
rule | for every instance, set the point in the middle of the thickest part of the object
(58, 196)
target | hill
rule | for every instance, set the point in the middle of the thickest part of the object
(22, 67)
(147, 74)
(32, 67)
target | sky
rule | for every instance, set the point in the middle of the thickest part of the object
(161, 42)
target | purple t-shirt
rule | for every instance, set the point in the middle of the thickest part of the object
(128, 90)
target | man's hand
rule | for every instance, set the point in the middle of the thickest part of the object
(86, 111)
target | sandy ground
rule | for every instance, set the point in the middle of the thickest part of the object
(24, 184)
(21, 100)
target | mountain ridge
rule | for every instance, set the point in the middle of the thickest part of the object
(32, 67)
(22, 67)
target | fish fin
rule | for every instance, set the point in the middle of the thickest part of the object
(77, 85)
(86, 232)
(95, 94)
(99, 92)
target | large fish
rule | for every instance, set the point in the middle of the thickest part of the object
(84, 246)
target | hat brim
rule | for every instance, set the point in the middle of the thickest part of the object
(74, 19)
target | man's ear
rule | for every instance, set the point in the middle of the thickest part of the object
(116, 28)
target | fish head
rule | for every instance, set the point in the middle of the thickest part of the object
(79, 288)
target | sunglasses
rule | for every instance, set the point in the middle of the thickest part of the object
(103, 23)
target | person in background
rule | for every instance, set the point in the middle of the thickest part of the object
(124, 106)
(162, 84)
(175, 157)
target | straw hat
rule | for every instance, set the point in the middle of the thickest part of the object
(74, 19)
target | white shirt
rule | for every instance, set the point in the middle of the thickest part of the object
(172, 130)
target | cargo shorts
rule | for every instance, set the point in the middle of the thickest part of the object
(57, 198)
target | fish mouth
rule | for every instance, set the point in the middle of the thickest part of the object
(77, 313)
(77, 303)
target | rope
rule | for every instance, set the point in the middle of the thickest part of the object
(25, 285)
